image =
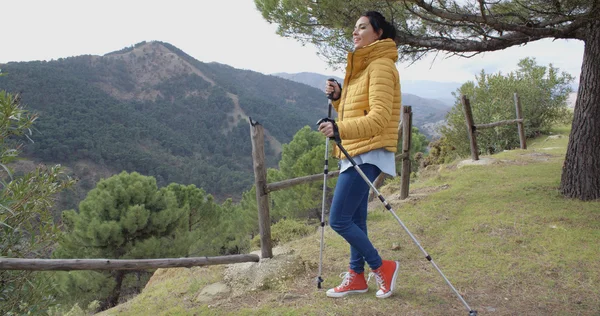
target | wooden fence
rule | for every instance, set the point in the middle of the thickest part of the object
(472, 128)
(263, 188)
(264, 223)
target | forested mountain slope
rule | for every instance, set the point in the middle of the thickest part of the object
(153, 109)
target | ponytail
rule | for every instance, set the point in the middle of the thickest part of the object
(378, 22)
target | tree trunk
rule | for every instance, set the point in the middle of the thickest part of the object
(113, 299)
(581, 169)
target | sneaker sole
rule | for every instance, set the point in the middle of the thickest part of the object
(342, 294)
(393, 286)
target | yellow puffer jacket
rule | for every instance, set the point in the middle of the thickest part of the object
(369, 107)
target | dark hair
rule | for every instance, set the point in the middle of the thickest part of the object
(378, 22)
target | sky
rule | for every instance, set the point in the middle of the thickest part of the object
(230, 32)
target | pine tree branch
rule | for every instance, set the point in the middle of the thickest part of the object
(463, 45)
(528, 29)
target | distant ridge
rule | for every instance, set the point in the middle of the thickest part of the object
(308, 78)
(438, 90)
(441, 91)
(428, 113)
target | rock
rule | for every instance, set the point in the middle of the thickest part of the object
(266, 274)
(553, 137)
(480, 162)
(211, 291)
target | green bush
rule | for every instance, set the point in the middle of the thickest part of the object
(27, 229)
(440, 152)
(543, 92)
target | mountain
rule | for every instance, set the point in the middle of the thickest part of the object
(153, 109)
(441, 91)
(427, 113)
(308, 78)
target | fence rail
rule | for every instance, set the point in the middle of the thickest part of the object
(276, 186)
(500, 123)
(119, 264)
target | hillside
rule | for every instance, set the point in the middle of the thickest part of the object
(427, 113)
(153, 109)
(499, 230)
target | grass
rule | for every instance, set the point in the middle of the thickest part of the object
(502, 234)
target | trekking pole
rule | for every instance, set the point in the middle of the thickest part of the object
(338, 141)
(325, 171)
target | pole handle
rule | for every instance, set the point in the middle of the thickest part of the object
(330, 96)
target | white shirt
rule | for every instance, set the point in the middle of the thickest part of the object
(383, 159)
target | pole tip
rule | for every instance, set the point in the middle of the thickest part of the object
(473, 313)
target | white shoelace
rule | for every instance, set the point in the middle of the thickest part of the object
(378, 279)
(347, 277)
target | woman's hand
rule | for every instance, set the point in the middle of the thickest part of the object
(332, 87)
(326, 128)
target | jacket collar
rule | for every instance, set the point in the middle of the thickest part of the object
(362, 57)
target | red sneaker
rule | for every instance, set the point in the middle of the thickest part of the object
(386, 278)
(353, 283)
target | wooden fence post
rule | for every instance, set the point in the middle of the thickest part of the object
(520, 124)
(260, 181)
(406, 137)
(470, 126)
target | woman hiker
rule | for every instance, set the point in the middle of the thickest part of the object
(368, 110)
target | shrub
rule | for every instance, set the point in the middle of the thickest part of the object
(543, 92)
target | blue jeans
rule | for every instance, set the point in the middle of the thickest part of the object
(348, 216)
